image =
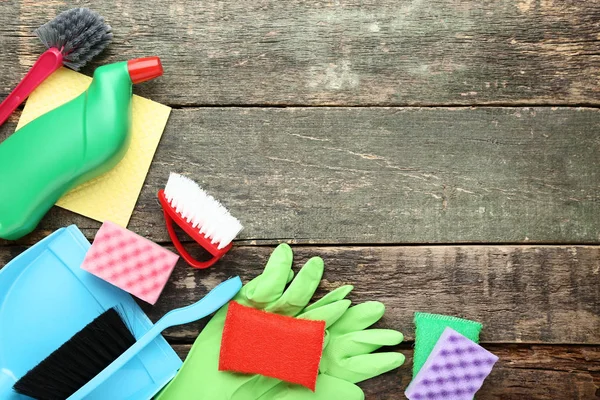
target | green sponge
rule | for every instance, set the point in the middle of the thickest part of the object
(429, 328)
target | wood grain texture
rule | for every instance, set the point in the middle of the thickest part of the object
(522, 372)
(383, 175)
(343, 52)
(521, 294)
(366, 179)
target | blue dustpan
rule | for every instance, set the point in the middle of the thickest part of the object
(45, 298)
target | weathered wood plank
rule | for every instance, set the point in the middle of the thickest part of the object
(344, 52)
(523, 372)
(384, 175)
(522, 294)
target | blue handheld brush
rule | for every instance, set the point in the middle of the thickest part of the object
(210, 303)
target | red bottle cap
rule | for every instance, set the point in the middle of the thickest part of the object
(144, 69)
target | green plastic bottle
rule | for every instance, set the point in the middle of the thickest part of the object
(69, 145)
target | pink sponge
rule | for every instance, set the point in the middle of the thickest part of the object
(130, 262)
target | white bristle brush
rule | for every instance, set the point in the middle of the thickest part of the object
(202, 217)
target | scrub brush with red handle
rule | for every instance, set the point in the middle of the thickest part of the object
(202, 217)
(73, 38)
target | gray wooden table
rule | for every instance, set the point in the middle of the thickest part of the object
(440, 155)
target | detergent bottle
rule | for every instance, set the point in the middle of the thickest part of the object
(68, 146)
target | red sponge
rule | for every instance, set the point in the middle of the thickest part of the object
(258, 342)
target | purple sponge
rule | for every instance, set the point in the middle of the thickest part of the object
(455, 370)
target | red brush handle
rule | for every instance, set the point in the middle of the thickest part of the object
(173, 216)
(46, 64)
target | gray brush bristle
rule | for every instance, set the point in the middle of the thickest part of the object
(79, 33)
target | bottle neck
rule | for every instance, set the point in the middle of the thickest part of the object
(107, 116)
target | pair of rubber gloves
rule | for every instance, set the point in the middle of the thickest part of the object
(346, 359)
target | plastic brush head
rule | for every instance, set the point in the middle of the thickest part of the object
(202, 217)
(79, 33)
(78, 360)
(201, 210)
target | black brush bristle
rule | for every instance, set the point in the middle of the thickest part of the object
(79, 33)
(79, 360)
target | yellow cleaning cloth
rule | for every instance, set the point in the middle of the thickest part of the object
(113, 195)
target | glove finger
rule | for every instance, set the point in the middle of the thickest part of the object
(329, 313)
(331, 297)
(301, 290)
(367, 366)
(365, 342)
(268, 286)
(359, 317)
(250, 288)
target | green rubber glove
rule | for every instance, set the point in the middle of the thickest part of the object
(348, 352)
(347, 357)
(199, 377)
(328, 388)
